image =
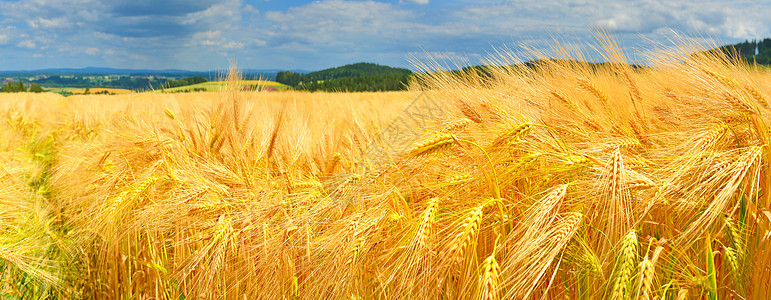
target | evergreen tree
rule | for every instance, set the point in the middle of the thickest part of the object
(288, 78)
(9, 87)
(21, 87)
(36, 88)
(185, 81)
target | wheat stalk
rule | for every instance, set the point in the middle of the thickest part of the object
(633, 89)
(711, 137)
(562, 98)
(646, 276)
(458, 124)
(512, 133)
(682, 294)
(459, 179)
(434, 145)
(469, 112)
(734, 100)
(489, 281)
(467, 236)
(593, 89)
(425, 230)
(735, 252)
(355, 252)
(757, 95)
(625, 264)
(729, 82)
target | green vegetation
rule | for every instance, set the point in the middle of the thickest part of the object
(753, 51)
(19, 87)
(185, 81)
(91, 81)
(198, 89)
(359, 77)
(216, 86)
(36, 88)
(135, 80)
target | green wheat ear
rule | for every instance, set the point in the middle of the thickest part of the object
(711, 272)
(626, 261)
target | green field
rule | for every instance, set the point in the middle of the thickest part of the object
(60, 90)
(75, 90)
(214, 86)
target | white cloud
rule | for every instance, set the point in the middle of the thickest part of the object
(336, 22)
(218, 13)
(449, 58)
(233, 45)
(27, 44)
(637, 22)
(215, 38)
(328, 32)
(421, 2)
(53, 23)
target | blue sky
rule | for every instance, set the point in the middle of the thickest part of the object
(311, 35)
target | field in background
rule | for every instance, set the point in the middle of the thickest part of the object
(566, 180)
(212, 86)
(82, 90)
(218, 86)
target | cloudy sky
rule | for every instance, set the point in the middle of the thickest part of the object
(311, 35)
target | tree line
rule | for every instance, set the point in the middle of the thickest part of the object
(752, 51)
(359, 77)
(184, 82)
(124, 82)
(20, 87)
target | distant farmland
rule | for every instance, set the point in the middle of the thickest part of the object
(75, 90)
(217, 86)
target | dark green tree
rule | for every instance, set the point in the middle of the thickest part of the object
(36, 88)
(21, 87)
(288, 78)
(9, 87)
(185, 81)
(752, 51)
(87, 91)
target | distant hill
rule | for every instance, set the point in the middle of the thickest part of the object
(358, 77)
(752, 51)
(354, 70)
(100, 70)
(115, 71)
(66, 79)
(266, 74)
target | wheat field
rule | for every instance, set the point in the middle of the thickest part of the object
(563, 181)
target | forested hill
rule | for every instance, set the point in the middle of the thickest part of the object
(752, 51)
(357, 77)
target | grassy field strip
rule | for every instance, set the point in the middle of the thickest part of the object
(218, 86)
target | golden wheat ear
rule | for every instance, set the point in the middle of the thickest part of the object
(434, 145)
(512, 134)
(457, 125)
(489, 282)
(588, 86)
